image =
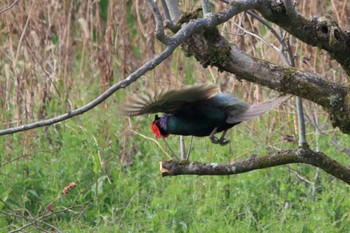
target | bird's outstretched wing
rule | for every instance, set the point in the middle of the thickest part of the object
(167, 101)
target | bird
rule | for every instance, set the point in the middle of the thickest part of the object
(197, 110)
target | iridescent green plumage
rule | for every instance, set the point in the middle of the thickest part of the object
(196, 110)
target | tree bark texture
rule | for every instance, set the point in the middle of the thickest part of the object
(322, 32)
(301, 155)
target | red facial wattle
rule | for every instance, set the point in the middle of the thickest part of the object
(156, 131)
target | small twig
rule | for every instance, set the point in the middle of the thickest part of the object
(13, 160)
(35, 221)
(126, 207)
(258, 37)
(9, 7)
(173, 10)
(206, 8)
(317, 148)
(264, 22)
(287, 47)
(299, 101)
(273, 31)
(314, 185)
(159, 23)
(172, 152)
(19, 46)
(169, 23)
(155, 141)
(299, 176)
(166, 11)
(190, 148)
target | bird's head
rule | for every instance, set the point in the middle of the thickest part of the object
(159, 126)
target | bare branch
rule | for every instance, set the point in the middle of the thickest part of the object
(206, 7)
(173, 10)
(168, 21)
(149, 65)
(210, 48)
(159, 23)
(333, 97)
(166, 11)
(9, 7)
(322, 32)
(286, 46)
(185, 32)
(299, 101)
(301, 155)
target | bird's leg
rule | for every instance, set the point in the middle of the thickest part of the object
(189, 149)
(171, 150)
(212, 137)
(222, 141)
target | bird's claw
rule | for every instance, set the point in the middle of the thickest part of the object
(221, 141)
(224, 142)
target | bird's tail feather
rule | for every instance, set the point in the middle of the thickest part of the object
(256, 110)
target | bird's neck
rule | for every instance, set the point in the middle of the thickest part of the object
(162, 124)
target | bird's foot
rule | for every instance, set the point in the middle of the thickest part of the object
(222, 141)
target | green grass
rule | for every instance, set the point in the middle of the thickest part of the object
(111, 198)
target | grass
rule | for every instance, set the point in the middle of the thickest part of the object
(112, 198)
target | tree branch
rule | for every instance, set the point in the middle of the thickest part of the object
(9, 7)
(210, 48)
(149, 65)
(334, 98)
(159, 32)
(185, 32)
(322, 32)
(301, 155)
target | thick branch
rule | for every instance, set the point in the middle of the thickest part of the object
(306, 156)
(322, 32)
(334, 98)
(210, 48)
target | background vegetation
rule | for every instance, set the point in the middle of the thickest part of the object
(58, 55)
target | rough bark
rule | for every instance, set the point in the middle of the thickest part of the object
(323, 32)
(301, 155)
(333, 97)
